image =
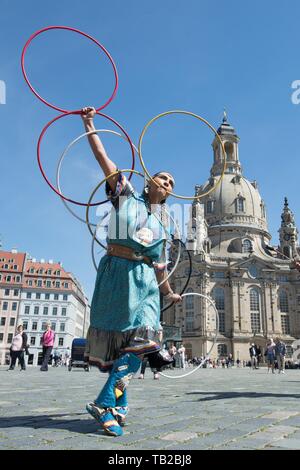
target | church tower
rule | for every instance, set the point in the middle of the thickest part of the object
(230, 140)
(288, 233)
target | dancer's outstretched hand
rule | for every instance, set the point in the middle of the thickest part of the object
(88, 113)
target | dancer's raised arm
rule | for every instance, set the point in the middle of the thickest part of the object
(97, 147)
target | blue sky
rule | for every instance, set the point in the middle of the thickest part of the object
(196, 55)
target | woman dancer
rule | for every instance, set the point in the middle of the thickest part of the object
(125, 310)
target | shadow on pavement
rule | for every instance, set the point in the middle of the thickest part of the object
(228, 395)
(55, 421)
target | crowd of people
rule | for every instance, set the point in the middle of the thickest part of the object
(20, 347)
(274, 356)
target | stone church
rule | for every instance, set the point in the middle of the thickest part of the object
(255, 286)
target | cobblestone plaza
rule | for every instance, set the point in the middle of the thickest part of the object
(234, 408)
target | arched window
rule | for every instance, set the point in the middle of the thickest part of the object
(255, 310)
(219, 298)
(189, 312)
(210, 206)
(222, 350)
(285, 324)
(229, 151)
(283, 301)
(246, 246)
(240, 204)
(189, 301)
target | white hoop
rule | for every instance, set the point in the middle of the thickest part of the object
(214, 341)
(63, 155)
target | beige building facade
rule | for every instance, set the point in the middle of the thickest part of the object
(255, 286)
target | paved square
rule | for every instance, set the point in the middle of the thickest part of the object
(210, 409)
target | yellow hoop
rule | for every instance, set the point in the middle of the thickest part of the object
(205, 122)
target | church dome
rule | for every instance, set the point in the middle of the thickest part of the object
(235, 201)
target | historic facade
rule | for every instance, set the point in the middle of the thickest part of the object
(34, 292)
(255, 286)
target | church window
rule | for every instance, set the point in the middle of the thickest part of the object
(210, 206)
(285, 324)
(221, 322)
(253, 272)
(263, 210)
(240, 204)
(189, 301)
(229, 151)
(189, 307)
(255, 310)
(219, 298)
(246, 246)
(189, 321)
(222, 350)
(283, 302)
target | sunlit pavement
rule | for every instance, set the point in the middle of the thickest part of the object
(210, 409)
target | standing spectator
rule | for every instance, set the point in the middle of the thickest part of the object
(238, 362)
(270, 355)
(48, 339)
(18, 346)
(280, 351)
(181, 351)
(253, 356)
(172, 352)
(258, 355)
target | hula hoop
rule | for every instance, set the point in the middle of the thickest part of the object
(188, 278)
(93, 233)
(67, 28)
(39, 155)
(214, 341)
(58, 168)
(205, 122)
(92, 248)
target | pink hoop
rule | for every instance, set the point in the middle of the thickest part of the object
(83, 34)
(39, 155)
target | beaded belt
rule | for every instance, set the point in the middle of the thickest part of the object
(128, 253)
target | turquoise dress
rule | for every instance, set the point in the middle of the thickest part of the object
(125, 309)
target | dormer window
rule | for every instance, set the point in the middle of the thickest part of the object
(210, 206)
(240, 204)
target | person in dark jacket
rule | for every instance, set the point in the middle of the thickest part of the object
(18, 346)
(253, 356)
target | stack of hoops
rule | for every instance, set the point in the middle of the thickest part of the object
(175, 240)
